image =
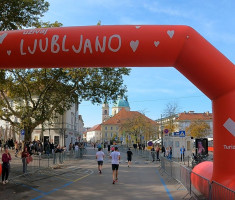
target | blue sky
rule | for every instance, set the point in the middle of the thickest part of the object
(151, 89)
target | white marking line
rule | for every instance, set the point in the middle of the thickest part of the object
(230, 126)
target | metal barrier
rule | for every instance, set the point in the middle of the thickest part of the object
(41, 162)
(218, 191)
(211, 191)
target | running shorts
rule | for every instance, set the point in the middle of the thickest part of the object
(100, 162)
(115, 166)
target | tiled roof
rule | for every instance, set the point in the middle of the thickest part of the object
(123, 115)
(194, 116)
(95, 128)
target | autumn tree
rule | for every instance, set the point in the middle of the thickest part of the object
(198, 129)
(29, 97)
(139, 125)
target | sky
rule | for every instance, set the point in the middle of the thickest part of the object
(151, 89)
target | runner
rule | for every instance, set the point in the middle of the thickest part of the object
(115, 155)
(129, 156)
(100, 159)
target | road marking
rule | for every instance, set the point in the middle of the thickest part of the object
(163, 183)
(230, 126)
(63, 186)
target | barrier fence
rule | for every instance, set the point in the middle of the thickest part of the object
(183, 174)
(210, 190)
(20, 167)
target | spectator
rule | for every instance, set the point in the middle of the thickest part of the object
(25, 154)
(157, 152)
(153, 153)
(163, 151)
(6, 158)
(182, 150)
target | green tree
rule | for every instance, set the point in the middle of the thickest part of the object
(198, 129)
(32, 96)
(18, 14)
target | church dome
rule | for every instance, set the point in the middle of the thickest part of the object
(121, 103)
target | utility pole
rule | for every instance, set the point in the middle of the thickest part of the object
(161, 132)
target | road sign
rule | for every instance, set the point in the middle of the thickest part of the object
(176, 133)
(166, 131)
(182, 133)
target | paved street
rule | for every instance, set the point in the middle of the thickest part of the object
(79, 179)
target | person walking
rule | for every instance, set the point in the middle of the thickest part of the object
(115, 155)
(129, 156)
(100, 159)
(182, 151)
(157, 152)
(153, 153)
(163, 151)
(25, 154)
(170, 153)
(6, 158)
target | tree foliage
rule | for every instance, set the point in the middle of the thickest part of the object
(18, 14)
(29, 97)
(198, 129)
(139, 125)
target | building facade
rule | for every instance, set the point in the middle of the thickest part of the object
(63, 129)
(93, 135)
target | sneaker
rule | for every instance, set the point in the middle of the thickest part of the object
(113, 182)
(6, 181)
(3, 182)
(116, 179)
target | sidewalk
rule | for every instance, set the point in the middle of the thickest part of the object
(79, 179)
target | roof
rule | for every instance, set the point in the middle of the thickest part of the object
(121, 103)
(123, 115)
(95, 128)
(194, 116)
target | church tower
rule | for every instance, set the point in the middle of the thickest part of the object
(105, 112)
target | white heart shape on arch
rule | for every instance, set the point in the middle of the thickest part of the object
(8, 52)
(171, 33)
(156, 43)
(134, 45)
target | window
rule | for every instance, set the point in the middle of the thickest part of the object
(111, 128)
(106, 128)
(111, 134)
(105, 112)
(106, 134)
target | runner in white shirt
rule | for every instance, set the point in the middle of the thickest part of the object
(115, 155)
(100, 159)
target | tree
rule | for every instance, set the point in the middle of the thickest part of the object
(139, 125)
(18, 14)
(29, 97)
(170, 113)
(198, 129)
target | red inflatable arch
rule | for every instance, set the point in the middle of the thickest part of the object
(117, 46)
